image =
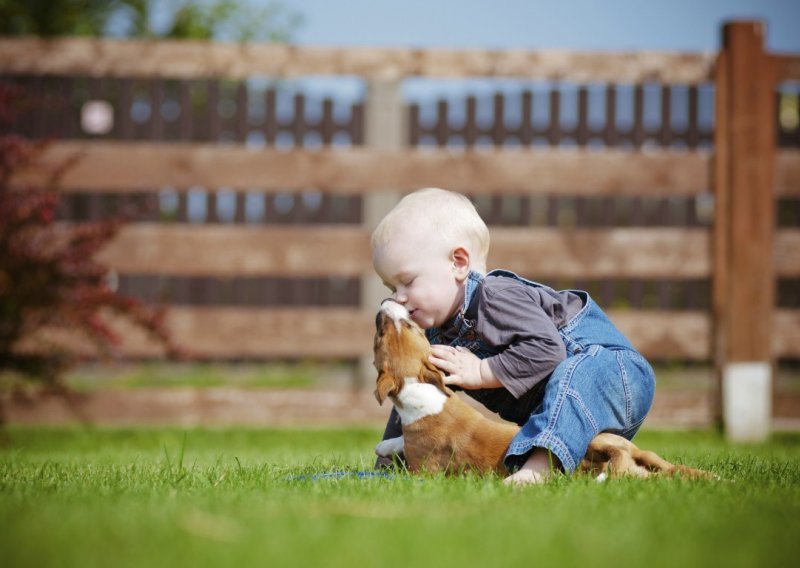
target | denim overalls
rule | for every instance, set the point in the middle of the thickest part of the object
(603, 385)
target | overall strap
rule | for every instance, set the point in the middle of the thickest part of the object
(463, 321)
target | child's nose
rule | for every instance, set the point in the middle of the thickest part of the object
(400, 297)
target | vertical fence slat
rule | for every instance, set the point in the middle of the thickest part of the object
(693, 131)
(498, 126)
(638, 133)
(156, 130)
(610, 126)
(356, 128)
(441, 130)
(327, 125)
(471, 122)
(582, 129)
(299, 126)
(526, 132)
(665, 129)
(554, 125)
(270, 127)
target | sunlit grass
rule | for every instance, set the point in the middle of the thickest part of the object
(675, 376)
(165, 497)
(200, 375)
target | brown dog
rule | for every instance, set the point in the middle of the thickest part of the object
(441, 432)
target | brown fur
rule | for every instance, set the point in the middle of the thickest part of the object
(461, 439)
(457, 440)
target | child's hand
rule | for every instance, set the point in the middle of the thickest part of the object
(463, 368)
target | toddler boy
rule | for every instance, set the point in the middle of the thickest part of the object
(550, 361)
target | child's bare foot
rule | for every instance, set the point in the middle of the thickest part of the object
(536, 470)
(525, 477)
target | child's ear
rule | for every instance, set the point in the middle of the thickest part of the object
(460, 259)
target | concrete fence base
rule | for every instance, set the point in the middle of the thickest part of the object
(747, 401)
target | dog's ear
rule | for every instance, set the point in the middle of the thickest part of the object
(386, 386)
(430, 374)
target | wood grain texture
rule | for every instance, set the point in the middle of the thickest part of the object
(747, 151)
(344, 333)
(188, 59)
(319, 251)
(129, 166)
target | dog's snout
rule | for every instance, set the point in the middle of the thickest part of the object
(397, 312)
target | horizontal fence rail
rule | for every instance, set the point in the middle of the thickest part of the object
(340, 333)
(120, 166)
(202, 59)
(229, 251)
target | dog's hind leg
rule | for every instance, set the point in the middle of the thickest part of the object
(654, 462)
(621, 462)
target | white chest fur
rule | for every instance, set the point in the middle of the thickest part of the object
(418, 400)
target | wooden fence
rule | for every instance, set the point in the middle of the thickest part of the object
(265, 197)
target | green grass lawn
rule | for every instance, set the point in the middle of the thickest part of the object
(159, 497)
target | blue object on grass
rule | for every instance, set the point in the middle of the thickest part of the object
(342, 474)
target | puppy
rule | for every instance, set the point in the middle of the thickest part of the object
(442, 433)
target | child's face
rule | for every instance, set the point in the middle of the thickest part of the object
(423, 275)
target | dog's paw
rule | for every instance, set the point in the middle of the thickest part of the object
(390, 447)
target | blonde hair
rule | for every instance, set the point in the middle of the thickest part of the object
(446, 214)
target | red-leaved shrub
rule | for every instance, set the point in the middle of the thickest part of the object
(51, 286)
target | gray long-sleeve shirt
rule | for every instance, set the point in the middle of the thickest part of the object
(520, 323)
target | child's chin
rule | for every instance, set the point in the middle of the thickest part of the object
(420, 320)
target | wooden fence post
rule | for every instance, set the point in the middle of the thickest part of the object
(744, 227)
(386, 128)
